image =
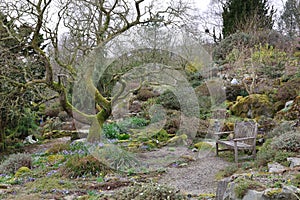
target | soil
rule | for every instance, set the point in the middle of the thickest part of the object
(194, 175)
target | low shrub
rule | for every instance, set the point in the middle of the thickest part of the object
(148, 191)
(169, 100)
(280, 129)
(88, 165)
(265, 154)
(289, 141)
(14, 162)
(131, 123)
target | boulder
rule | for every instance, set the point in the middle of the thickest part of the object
(253, 106)
(275, 167)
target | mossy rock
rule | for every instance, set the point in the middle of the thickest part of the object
(293, 113)
(178, 140)
(202, 145)
(161, 136)
(53, 159)
(22, 171)
(253, 106)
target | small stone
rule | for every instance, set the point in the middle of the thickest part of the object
(70, 197)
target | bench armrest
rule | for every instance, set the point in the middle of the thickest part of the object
(241, 139)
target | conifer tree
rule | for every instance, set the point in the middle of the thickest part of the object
(247, 16)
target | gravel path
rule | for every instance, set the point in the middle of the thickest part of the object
(195, 176)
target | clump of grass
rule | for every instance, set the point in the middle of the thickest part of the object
(14, 162)
(243, 185)
(88, 165)
(226, 172)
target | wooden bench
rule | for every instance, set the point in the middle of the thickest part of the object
(244, 138)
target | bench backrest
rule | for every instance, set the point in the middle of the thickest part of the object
(244, 130)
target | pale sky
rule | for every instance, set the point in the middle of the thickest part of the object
(202, 4)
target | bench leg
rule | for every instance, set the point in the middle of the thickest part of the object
(235, 153)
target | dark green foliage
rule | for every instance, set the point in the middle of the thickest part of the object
(291, 17)
(111, 130)
(265, 154)
(14, 162)
(169, 100)
(247, 15)
(114, 130)
(19, 64)
(24, 126)
(132, 123)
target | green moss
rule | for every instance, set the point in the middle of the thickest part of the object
(253, 106)
(273, 192)
(203, 145)
(22, 171)
(53, 159)
(178, 140)
(161, 136)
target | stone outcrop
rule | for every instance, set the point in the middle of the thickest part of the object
(253, 106)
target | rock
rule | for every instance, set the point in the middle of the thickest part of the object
(295, 162)
(234, 81)
(29, 139)
(290, 189)
(288, 104)
(275, 167)
(292, 113)
(178, 140)
(253, 106)
(253, 195)
(287, 192)
(70, 197)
